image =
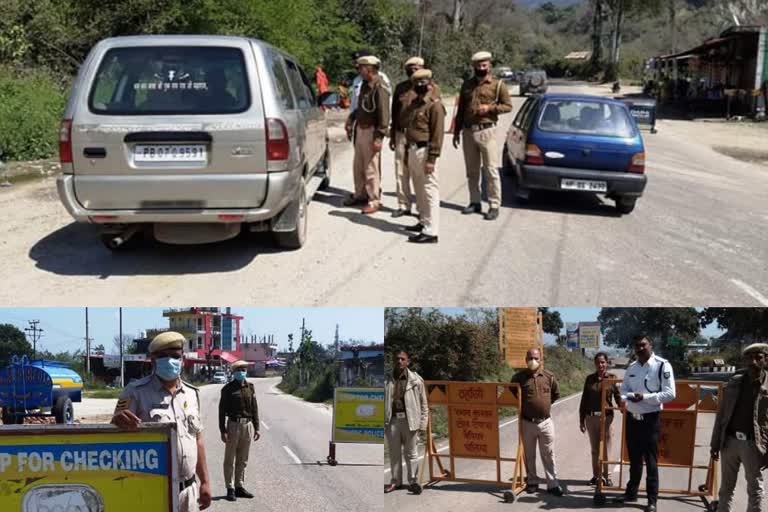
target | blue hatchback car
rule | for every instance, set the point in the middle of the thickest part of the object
(575, 142)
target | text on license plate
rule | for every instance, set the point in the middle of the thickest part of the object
(169, 153)
(586, 185)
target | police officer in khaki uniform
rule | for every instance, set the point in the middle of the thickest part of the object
(401, 98)
(740, 434)
(367, 126)
(425, 117)
(163, 397)
(481, 100)
(238, 423)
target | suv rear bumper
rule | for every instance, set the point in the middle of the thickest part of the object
(282, 188)
(549, 178)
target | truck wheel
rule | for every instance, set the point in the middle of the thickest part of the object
(63, 410)
(326, 169)
(509, 497)
(295, 239)
(625, 205)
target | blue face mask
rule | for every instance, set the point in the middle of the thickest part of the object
(168, 368)
(239, 376)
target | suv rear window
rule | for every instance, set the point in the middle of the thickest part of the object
(585, 117)
(170, 80)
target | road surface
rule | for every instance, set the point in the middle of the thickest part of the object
(696, 237)
(573, 462)
(283, 470)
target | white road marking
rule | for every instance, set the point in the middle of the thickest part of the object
(759, 297)
(264, 425)
(387, 470)
(292, 455)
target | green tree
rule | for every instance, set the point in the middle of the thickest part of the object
(742, 324)
(13, 342)
(552, 323)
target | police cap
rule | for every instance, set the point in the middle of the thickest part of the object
(166, 340)
(756, 348)
(368, 60)
(481, 56)
(239, 365)
(414, 61)
(421, 74)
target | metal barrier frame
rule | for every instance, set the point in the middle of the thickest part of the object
(706, 491)
(517, 483)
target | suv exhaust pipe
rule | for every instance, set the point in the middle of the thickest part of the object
(115, 241)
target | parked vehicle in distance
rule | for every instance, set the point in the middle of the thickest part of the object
(195, 137)
(533, 81)
(219, 378)
(571, 142)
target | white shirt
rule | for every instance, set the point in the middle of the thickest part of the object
(357, 83)
(644, 379)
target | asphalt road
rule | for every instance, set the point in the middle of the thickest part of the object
(573, 462)
(696, 237)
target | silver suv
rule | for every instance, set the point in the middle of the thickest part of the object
(193, 137)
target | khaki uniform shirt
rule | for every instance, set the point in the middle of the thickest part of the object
(540, 391)
(151, 402)
(592, 395)
(426, 119)
(475, 92)
(373, 108)
(238, 400)
(401, 98)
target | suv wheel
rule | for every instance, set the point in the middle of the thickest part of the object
(295, 239)
(625, 205)
(326, 169)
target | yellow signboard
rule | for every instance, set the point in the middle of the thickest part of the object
(358, 415)
(589, 334)
(73, 468)
(519, 331)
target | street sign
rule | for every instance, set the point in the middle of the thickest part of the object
(572, 335)
(589, 334)
(358, 415)
(474, 420)
(519, 330)
(88, 468)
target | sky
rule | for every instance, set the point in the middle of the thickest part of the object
(64, 328)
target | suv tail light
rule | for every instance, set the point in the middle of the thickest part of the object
(638, 163)
(533, 155)
(65, 142)
(278, 147)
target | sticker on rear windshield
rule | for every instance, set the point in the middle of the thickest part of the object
(171, 80)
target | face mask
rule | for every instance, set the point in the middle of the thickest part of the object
(421, 89)
(168, 368)
(481, 72)
(239, 376)
(533, 365)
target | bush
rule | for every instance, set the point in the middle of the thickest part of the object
(31, 106)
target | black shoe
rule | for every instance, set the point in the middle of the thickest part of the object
(492, 214)
(651, 507)
(415, 228)
(242, 493)
(415, 489)
(354, 201)
(230, 495)
(472, 208)
(400, 212)
(532, 488)
(593, 481)
(626, 498)
(608, 482)
(556, 491)
(421, 238)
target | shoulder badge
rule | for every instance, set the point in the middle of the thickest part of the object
(666, 375)
(123, 404)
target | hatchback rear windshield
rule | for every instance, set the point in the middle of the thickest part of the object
(585, 117)
(170, 80)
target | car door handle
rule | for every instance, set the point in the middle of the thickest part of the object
(95, 153)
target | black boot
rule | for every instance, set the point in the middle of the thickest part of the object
(230, 494)
(472, 208)
(242, 493)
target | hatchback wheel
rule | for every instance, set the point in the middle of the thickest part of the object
(625, 205)
(295, 239)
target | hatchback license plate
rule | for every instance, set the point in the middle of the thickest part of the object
(169, 153)
(585, 185)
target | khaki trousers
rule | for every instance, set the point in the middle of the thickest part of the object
(734, 454)
(188, 499)
(366, 166)
(544, 434)
(399, 436)
(593, 431)
(480, 153)
(402, 173)
(427, 191)
(239, 438)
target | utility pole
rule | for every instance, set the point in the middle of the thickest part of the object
(87, 346)
(122, 367)
(36, 334)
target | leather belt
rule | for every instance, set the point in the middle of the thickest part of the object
(641, 417)
(595, 413)
(536, 420)
(418, 145)
(364, 125)
(186, 483)
(242, 421)
(481, 126)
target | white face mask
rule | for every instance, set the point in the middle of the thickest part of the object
(533, 365)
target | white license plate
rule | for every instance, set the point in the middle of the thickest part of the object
(585, 185)
(169, 153)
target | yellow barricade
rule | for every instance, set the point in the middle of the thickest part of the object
(473, 431)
